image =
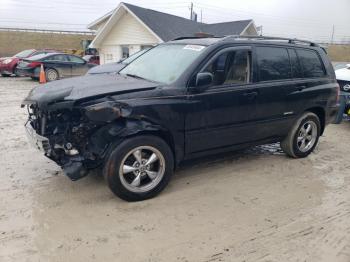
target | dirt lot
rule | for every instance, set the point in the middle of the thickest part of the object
(256, 205)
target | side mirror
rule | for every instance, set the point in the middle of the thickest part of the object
(203, 80)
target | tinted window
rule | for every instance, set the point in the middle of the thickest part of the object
(311, 63)
(59, 58)
(76, 59)
(273, 63)
(232, 67)
(294, 61)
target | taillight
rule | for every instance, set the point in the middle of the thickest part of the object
(338, 93)
(34, 64)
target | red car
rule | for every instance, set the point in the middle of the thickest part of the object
(8, 65)
(92, 59)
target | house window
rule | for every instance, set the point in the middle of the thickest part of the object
(125, 52)
(109, 57)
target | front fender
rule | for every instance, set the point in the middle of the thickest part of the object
(114, 133)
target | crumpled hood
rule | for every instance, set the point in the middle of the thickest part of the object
(343, 74)
(83, 87)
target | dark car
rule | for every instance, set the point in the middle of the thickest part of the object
(92, 59)
(110, 68)
(8, 65)
(182, 100)
(56, 66)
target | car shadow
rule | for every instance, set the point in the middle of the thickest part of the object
(268, 149)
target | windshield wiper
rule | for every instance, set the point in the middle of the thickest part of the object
(136, 76)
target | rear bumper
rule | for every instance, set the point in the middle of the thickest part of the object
(32, 72)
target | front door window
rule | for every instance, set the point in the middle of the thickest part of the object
(230, 68)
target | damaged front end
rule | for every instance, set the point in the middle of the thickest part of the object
(77, 137)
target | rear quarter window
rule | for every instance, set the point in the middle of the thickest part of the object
(311, 63)
(273, 63)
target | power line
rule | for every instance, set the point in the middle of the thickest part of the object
(271, 17)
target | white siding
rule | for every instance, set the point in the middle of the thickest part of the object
(129, 32)
(250, 31)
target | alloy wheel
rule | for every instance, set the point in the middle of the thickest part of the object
(142, 169)
(307, 136)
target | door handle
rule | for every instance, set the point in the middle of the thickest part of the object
(251, 95)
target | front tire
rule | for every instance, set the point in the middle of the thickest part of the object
(303, 137)
(139, 168)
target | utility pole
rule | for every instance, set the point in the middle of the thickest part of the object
(333, 29)
(201, 16)
(191, 15)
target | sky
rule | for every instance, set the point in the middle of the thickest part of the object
(307, 19)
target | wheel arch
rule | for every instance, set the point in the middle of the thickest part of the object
(321, 113)
(115, 133)
(53, 68)
(163, 134)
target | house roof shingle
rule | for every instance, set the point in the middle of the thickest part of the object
(169, 27)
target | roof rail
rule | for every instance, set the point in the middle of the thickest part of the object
(194, 37)
(289, 40)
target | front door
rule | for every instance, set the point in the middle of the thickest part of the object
(79, 66)
(223, 115)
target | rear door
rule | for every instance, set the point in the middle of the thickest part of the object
(274, 81)
(308, 80)
(79, 65)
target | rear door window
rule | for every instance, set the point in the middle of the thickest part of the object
(311, 63)
(57, 58)
(294, 61)
(273, 63)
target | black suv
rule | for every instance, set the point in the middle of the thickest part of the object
(184, 99)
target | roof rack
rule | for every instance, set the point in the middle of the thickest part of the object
(289, 40)
(199, 36)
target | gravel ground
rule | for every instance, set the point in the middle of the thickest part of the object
(257, 205)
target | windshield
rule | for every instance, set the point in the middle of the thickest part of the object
(24, 53)
(134, 56)
(164, 63)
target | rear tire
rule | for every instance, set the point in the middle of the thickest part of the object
(5, 75)
(303, 137)
(51, 74)
(139, 168)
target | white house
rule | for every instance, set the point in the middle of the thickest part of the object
(129, 28)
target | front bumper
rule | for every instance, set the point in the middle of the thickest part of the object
(344, 107)
(6, 68)
(72, 167)
(39, 142)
